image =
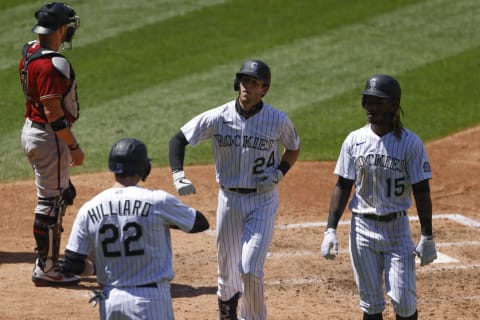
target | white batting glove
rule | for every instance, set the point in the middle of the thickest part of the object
(267, 183)
(330, 244)
(426, 250)
(182, 184)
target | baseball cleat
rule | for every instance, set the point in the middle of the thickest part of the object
(52, 277)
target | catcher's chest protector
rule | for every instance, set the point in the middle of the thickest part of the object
(69, 103)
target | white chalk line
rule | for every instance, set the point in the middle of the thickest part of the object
(459, 218)
(437, 266)
(441, 257)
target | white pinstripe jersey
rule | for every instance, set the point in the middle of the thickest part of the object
(127, 230)
(243, 149)
(384, 168)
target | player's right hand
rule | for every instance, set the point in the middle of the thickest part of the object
(77, 157)
(330, 244)
(183, 185)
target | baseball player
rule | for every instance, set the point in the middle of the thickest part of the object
(126, 230)
(246, 135)
(385, 162)
(48, 141)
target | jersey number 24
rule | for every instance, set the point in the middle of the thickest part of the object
(262, 163)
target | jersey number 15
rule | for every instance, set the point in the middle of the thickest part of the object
(395, 185)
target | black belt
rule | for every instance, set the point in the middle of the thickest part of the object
(240, 190)
(38, 125)
(382, 218)
(148, 285)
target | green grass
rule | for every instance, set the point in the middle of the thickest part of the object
(146, 67)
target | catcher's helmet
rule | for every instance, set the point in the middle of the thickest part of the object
(129, 157)
(53, 15)
(255, 68)
(384, 86)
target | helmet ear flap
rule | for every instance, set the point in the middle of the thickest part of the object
(148, 168)
(363, 101)
(236, 84)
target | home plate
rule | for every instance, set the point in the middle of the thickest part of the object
(441, 258)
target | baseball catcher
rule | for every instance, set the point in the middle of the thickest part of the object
(51, 108)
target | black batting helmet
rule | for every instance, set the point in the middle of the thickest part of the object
(129, 157)
(255, 68)
(53, 15)
(382, 85)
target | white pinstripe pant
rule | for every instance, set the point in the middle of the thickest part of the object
(383, 249)
(245, 225)
(133, 303)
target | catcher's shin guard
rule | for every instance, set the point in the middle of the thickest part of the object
(228, 309)
(48, 230)
(41, 232)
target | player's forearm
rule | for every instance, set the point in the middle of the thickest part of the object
(56, 117)
(67, 136)
(424, 209)
(338, 202)
(176, 152)
(423, 201)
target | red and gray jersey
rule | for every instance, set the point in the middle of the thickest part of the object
(127, 231)
(243, 149)
(48, 75)
(384, 169)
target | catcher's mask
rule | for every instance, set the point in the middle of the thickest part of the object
(53, 15)
(255, 68)
(383, 86)
(128, 157)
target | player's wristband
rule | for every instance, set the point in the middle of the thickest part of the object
(59, 124)
(284, 166)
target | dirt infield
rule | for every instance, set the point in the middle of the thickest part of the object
(300, 284)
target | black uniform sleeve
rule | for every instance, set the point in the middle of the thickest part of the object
(201, 223)
(421, 193)
(176, 152)
(340, 196)
(73, 262)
